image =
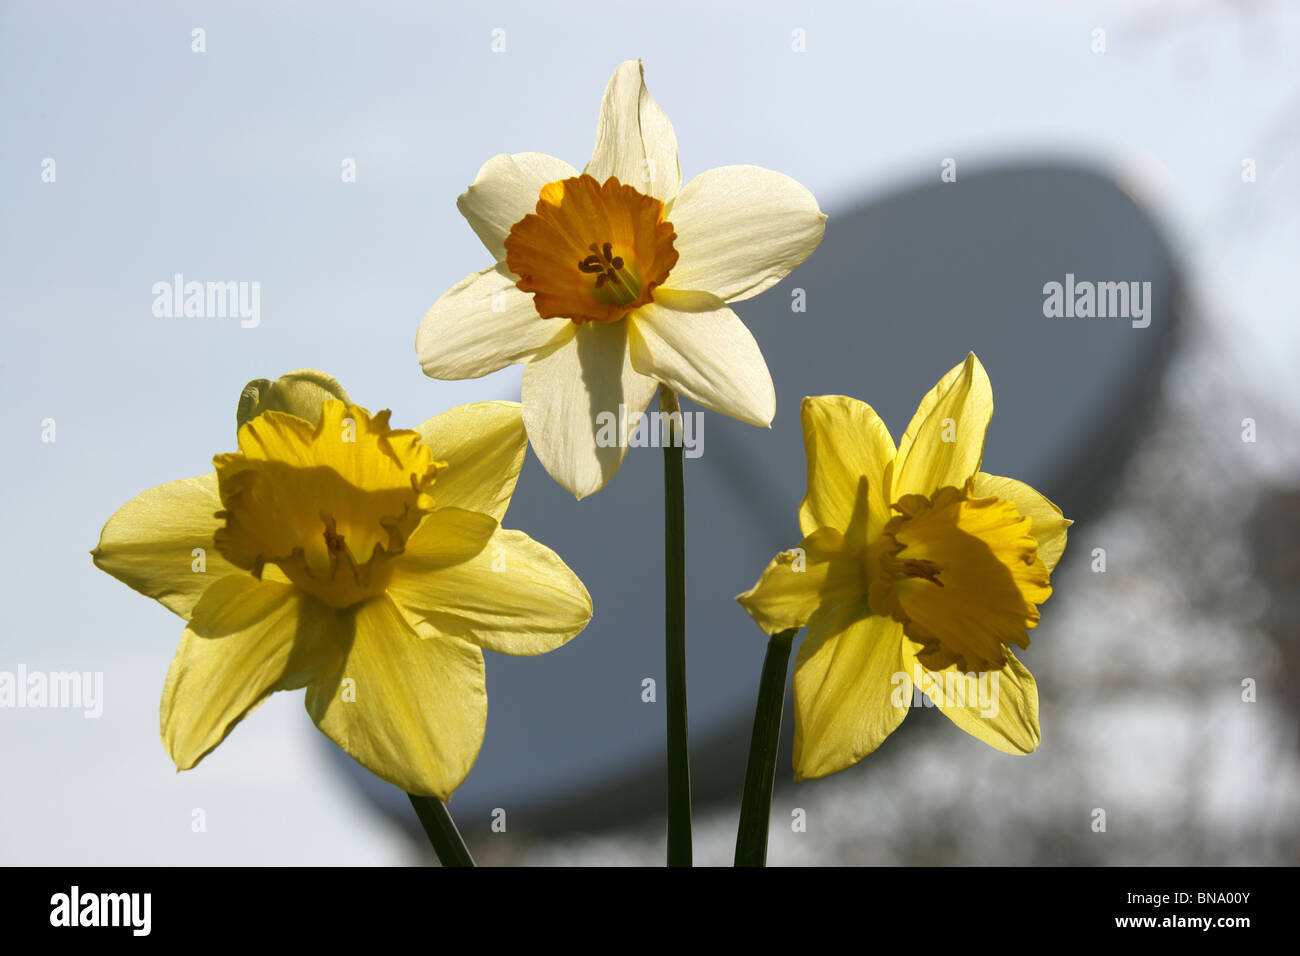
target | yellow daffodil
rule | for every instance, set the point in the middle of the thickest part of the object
(916, 569)
(359, 561)
(610, 281)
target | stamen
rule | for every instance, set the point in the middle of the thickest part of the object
(624, 289)
(921, 568)
(609, 272)
(616, 273)
(333, 540)
(899, 568)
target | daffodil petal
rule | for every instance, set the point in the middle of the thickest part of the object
(846, 689)
(246, 640)
(446, 537)
(483, 445)
(635, 141)
(741, 230)
(944, 443)
(821, 571)
(1047, 524)
(160, 543)
(572, 402)
(409, 710)
(515, 596)
(506, 190)
(1007, 722)
(481, 324)
(844, 442)
(708, 355)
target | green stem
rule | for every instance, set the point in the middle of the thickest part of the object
(679, 760)
(756, 801)
(441, 831)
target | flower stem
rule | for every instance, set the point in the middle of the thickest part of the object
(756, 801)
(441, 831)
(679, 761)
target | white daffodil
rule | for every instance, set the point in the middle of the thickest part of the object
(611, 281)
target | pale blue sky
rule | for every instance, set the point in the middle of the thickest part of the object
(226, 166)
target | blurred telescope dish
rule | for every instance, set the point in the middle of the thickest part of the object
(901, 288)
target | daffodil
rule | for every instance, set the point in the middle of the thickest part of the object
(916, 569)
(362, 562)
(611, 281)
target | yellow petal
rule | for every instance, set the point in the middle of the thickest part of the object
(150, 543)
(514, 596)
(706, 354)
(483, 445)
(943, 445)
(482, 324)
(847, 695)
(409, 710)
(504, 191)
(821, 571)
(1048, 525)
(635, 142)
(581, 403)
(445, 537)
(1005, 718)
(741, 230)
(246, 640)
(844, 442)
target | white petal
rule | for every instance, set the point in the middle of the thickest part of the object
(706, 354)
(484, 323)
(572, 400)
(634, 140)
(741, 230)
(504, 191)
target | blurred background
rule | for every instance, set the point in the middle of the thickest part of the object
(1127, 141)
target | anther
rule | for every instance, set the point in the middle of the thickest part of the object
(920, 568)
